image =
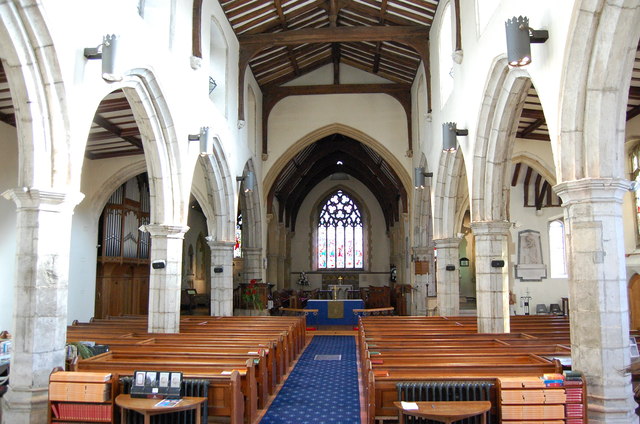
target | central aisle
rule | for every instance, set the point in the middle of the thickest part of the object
(323, 386)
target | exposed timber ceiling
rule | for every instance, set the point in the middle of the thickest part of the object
(376, 36)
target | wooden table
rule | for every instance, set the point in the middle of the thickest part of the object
(148, 408)
(446, 412)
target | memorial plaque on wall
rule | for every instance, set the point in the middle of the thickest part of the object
(422, 267)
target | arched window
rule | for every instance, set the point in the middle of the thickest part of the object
(445, 58)
(218, 59)
(557, 253)
(340, 241)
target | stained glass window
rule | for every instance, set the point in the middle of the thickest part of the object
(340, 234)
(237, 248)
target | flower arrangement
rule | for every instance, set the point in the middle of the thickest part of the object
(251, 297)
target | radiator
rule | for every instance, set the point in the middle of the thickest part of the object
(446, 391)
(190, 387)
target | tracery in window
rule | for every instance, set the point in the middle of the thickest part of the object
(340, 236)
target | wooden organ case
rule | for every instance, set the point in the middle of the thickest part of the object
(122, 277)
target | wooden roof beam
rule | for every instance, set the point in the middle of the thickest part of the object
(9, 119)
(531, 128)
(117, 131)
(250, 45)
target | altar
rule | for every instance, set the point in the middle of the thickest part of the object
(334, 312)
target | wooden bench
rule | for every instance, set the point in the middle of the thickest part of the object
(401, 349)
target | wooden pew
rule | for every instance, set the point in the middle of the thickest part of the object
(400, 349)
(126, 365)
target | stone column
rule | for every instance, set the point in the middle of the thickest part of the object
(492, 283)
(448, 288)
(272, 270)
(165, 283)
(252, 263)
(419, 289)
(598, 295)
(43, 230)
(221, 282)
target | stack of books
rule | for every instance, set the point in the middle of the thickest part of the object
(575, 399)
(553, 380)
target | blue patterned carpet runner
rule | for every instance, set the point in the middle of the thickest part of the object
(322, 388)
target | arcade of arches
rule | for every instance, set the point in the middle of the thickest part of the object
(301, 148)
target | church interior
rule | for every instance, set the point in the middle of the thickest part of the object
(306, 211)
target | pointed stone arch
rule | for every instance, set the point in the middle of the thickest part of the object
(603, 38)
(35, 80)
(327, 130)
(504, 96)
(217, 203)
(448, 211)
(252, 248)
(161, 150)
(594, 89)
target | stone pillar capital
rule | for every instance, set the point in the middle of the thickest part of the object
(490, 227)
(220, 244)
(165, 230)
(444, 243)
(593, 190)
(45, 200)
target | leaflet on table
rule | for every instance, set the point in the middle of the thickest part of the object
(168, 402)
(409, 406)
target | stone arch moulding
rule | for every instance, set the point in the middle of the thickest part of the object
(504, 95)
(536, 163)
(594, 89)
(422, 211)
(161, 150)
(99, 199)
(219, 205)
(327, 130)
(38, 92)
(254, 213)
(446, 211)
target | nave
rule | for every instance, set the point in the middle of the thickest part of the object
(322, 387)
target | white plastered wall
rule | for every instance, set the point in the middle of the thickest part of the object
(479, 51)
(184, 98)
(379, 116)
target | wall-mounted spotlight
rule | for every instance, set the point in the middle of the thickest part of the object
(249, 180)
(419, 176)
(206, 146)
(108, 52)
(449, 134)
(519, 37)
